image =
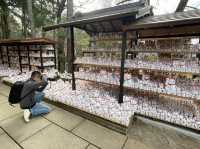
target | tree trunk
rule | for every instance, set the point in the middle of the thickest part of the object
(24, 22)
(4, 20)
(31, 18)
(61, 38)
(69, 54)
(181, 6)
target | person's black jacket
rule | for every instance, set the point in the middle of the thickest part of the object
(30, 86)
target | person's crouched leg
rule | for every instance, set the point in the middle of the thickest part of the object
(39, 109)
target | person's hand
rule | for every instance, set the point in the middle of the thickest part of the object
(44, 73)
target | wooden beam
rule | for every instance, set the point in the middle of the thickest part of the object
(193, 30)
(161, 24)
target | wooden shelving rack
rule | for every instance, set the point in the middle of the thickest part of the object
(22, 50)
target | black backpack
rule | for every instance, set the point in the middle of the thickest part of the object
(15, 92)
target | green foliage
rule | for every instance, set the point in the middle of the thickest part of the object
(42, 15)
(81, 40)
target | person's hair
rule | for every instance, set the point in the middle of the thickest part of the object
(35, 73)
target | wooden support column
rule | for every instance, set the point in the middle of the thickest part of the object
(41, 59)
(54, 51)
(1, 50)
(123, 52)
(19, 55)
(72, 56)
(29, 60)
(8, 57)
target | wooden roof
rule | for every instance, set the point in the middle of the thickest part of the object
(173, 19)
(107, 20)
(28, 41)
(169, 25)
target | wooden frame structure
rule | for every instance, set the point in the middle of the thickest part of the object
(109, 20)
(143, 26)
(27, 43)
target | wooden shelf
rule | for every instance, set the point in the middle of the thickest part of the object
(163, 94)
(162, 51)
(43, 57)
(42, 50)
(140, 51)
(93, 81)
(103, 51)
(131, 68)
(109, 39)
(97, 65)
(16, 50)
(13, 55)
(49, 66)
(43, 65)
(138, 89)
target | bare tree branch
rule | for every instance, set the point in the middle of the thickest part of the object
(181, 6)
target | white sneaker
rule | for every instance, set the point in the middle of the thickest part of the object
(27, 115)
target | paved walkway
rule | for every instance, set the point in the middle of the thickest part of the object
(63, 130)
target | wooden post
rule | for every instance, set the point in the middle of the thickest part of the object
(72, 56)
(123, 51)
(19, 55)
(70, 11)
(1, 50)
(8, 57)
(29, 61)
(54, 47)
(41, 59)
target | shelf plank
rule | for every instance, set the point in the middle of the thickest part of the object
(93, 81)
(163, 51)
(43, 56)
(43, 66)
(103, 51)
(131, 68)
(141, 51)
(109, 39)
(138, 89)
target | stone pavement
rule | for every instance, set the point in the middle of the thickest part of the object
(63, 130)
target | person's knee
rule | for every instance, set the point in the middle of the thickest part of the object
(42, 94)
(47, 110)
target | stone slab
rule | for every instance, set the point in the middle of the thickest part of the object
(64, 118)
(21, 130)
(7, 143)
(54, 137)
(91, 147)
(1, 131)
(3, 99)
(7, 111)
(4, 89)
(100, 136)
(149, 136)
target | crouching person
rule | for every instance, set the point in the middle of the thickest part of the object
(33, 96)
